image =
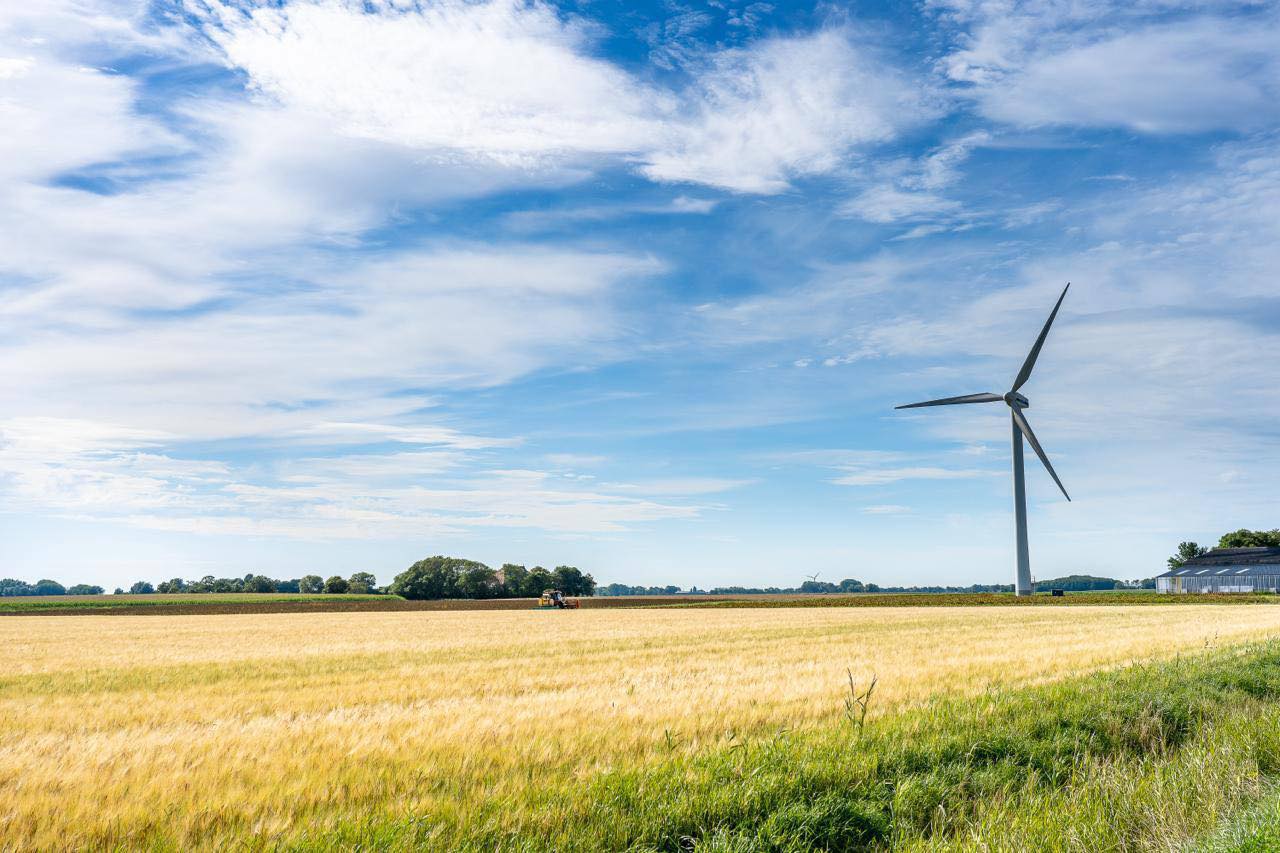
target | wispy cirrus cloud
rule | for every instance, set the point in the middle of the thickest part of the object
(784, 108)
(1150, 66)
(886, 509)
(862, 476)
(87, 469)
(525, 87)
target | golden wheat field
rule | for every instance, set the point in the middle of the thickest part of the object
(199, 731)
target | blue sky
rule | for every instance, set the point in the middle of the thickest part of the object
(326, 286)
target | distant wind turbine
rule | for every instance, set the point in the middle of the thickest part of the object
(1016, 402)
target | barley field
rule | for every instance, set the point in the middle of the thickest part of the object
(272, 730)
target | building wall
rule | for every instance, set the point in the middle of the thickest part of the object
(1212, 582)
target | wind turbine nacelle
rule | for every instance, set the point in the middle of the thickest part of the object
(1013, 398)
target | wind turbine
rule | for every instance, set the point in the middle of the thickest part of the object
(1016, 403)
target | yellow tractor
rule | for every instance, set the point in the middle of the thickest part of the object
(554, 599)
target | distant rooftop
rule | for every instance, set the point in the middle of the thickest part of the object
(1247, 561)
(1237, 556)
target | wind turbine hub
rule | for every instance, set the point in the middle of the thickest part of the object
(1016, 400)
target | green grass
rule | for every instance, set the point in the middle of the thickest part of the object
(1143, 758)
(107, 602)
(1254, 830)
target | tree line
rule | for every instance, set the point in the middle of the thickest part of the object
(441, 577)
(360, 583)
(455, 577)
(432, 578)
(1242, 538)
(44, 586)
(1069, 583)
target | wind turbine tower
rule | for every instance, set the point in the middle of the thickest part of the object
(1016, 403)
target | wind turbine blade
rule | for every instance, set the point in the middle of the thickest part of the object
(955, 401)
(1027, 366)
(1035, 445)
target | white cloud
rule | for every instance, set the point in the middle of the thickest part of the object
(886, 204)
(517, 83)
(1173, 78)
(222, 300)
(575, 218)
(686, 204)
(785, 108)
(876, 467)
(231, 267)
(827, 309)
(57, 116)
(1122, 65)
(453, 316)
(575, 460)
(886, 509)
(884, 476)
(682, 486)
(87, 469)
(504, 79)
(912, 189)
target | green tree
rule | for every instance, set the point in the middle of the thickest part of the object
(433, 578)
(174, 585)
(1186, 551)
(514, 580)
(13, 586)
(84, 589)
(336, 585)
(311, 584)
(259, 583)
(571, 581)
(1245, 538)
(141, 588)
(1082, 583)
(478, 582)
(538, 580)
(44, 586)
(362, 583)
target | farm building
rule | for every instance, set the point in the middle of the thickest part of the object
(1226, 570)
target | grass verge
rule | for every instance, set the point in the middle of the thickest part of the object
(1254, 830)
(1149, 757)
